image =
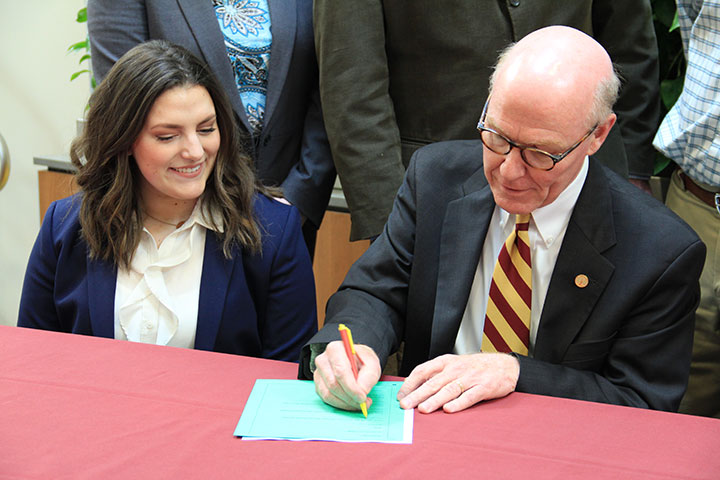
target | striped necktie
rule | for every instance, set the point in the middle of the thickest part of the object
(507, 321)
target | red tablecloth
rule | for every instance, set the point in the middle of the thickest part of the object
(82, 407)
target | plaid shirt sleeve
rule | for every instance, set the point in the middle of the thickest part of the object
(689, 133)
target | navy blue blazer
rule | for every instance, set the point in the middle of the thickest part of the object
(624, 338)
(259, 305)
(292, 150)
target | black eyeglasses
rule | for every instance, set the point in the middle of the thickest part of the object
(532, 156)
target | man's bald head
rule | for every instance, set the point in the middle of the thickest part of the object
(561, 65)
(553, 92)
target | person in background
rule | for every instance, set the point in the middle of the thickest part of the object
(402, 74)
(689, 136)
(516, 263)
(171, 240)
(264, 56)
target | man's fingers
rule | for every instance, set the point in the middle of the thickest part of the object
(466, 400)
(411, 383)
(330, 398)
(370, 370)
(452, 389)
(456, 382)
(437, 386)
(347, 386)
(330, 378)
(341, 402)
(335, 381)
(420, 376)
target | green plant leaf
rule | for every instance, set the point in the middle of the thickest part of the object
(77, 74)
(81, 15)
(661, 163)
(672, 64)
(84, 45)
(670, 91)
(663, 11)
(675, 23)
(84, 57)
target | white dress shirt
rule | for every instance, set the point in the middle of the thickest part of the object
(547, 230)
(156, 299)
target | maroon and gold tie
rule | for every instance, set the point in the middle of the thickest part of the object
(507, 321)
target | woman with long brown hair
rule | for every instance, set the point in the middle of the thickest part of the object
(171, 240)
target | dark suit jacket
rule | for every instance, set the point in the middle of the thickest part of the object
(405, 73)
(625, 339)
(259, 305)
(292, 149)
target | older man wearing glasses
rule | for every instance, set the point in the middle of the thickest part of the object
(515, 263)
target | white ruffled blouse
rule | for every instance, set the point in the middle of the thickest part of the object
(156, 299)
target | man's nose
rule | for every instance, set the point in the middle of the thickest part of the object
(513, 166)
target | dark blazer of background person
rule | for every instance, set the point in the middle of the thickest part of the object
(625, 338)
(258, 305)
(399, 74)
(292, 149)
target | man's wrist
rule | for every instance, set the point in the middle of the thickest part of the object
(315, 350)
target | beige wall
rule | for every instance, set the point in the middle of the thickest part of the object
(38, 108)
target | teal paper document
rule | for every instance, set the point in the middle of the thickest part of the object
(291, 410)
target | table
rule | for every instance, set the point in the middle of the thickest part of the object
(81, 407)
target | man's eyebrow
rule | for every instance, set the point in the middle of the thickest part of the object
(492, 125)
(549, 146)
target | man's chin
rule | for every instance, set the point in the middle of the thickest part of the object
(513, 205)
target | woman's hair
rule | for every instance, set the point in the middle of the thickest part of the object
(110, 214)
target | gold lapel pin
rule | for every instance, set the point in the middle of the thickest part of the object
(581, 281)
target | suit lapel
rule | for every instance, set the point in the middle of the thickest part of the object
(568, 304)
(214, 284)
(283, 19)
(463, 233)
(101, 283)
(201, 19)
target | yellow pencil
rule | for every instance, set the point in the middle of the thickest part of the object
(346, 336)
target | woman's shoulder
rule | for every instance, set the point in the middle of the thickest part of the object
(63, 214)
(68, 204)
(279, 222)
(269, 210)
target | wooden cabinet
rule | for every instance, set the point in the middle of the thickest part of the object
(54, 186)
(334, 254)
